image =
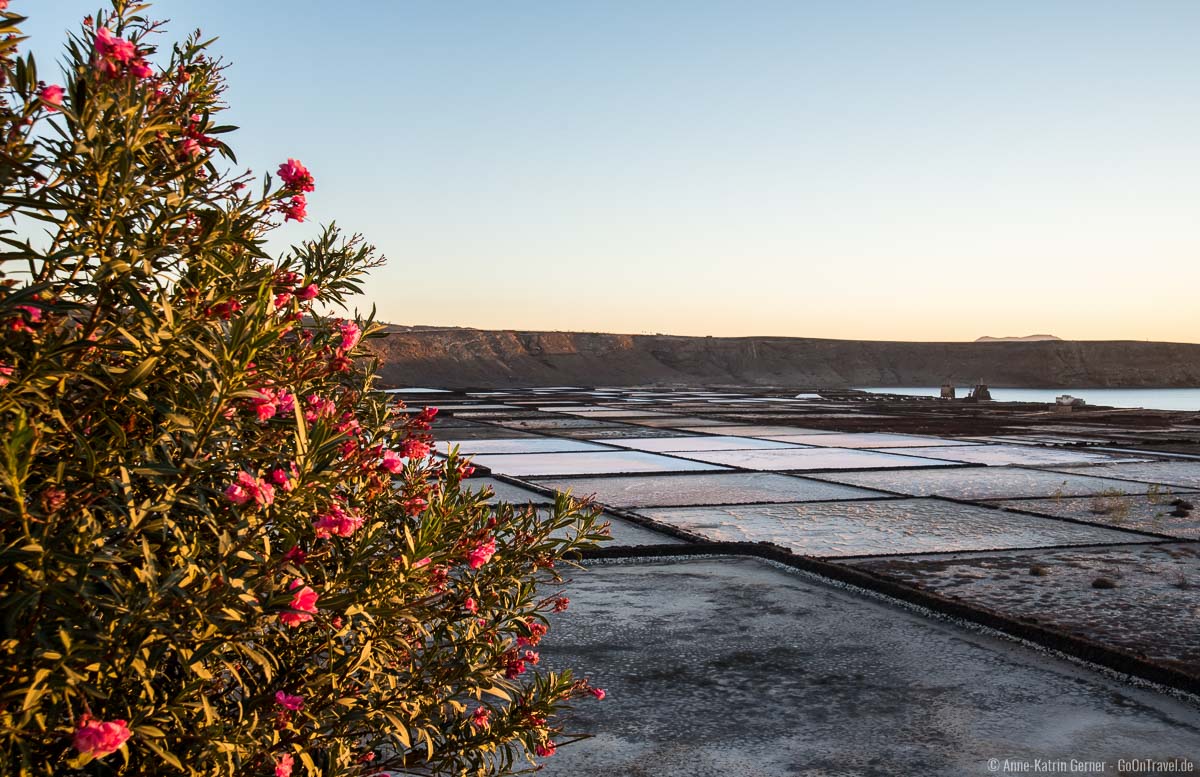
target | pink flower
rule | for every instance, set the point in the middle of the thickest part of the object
(141, 68)
(338, 522)
(288, 701)
(264, 409)
(561, 604)
(248, 488)
(546, 749)
(308, 292)
(415, 449)
(114, 48)
(304, 599)
(236, 494)
(265, 495)
(422, 563)
(285, 400)
(470, 605)
(35, 314)
(52, 95)
(296, 176)
(224, 309)
(283, 298)
(392, 462)
(482, 554)
(536, 632)
(296, 555)
(351, 334)
(100, 738)
(285, 479)
(242, 489)
(109, 67)
(349, 424)
(598, 693)
(283, 765)
(272, 401)
(480, 718)
(296, 208)
(5, 374)
(189, 148)
(318, 407)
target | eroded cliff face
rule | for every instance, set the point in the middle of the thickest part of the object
(462, 358)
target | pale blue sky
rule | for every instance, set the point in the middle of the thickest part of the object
(881, 170)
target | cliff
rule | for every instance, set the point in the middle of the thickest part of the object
(461, 358)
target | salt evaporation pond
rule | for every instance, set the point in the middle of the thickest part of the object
(870, 528)
(726, 667)
(705, 489)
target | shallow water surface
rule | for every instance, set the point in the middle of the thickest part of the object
(869, 528)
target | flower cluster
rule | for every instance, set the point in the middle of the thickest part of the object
(297, 180)
(303, 604)
(96, 739)
(52, 96)
(337, 522)
(250, 489)
(481, 554)
(289, 701)
(272, 401)
(116, 58)
(296, 177)
(317, 407)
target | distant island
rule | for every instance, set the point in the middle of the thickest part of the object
(464, 357)
(1025, 339)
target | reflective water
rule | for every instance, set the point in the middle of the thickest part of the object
(479, 432)
(706, 489)
(708, 442)
(882, 527)
(625, 533)
(866, 439)
(1176, 473)
(985, 483)
(1152, 513)
(814, 459)
(605, 412)
(534, 464)
(755, 430)
(518, 445)
(1023, 455)
(416, 391)
(565, 422)
(617, 431)
(680, 422)
(505, 492)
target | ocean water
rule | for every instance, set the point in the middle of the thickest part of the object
(1151, 399)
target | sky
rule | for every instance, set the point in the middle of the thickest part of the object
(860, 169)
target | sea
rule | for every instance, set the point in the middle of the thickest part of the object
(1148, 398)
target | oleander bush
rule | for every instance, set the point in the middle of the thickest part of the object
(224, 552)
